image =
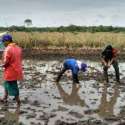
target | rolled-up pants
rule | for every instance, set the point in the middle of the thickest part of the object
(116, 67)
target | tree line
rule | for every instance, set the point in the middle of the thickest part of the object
(70, 28)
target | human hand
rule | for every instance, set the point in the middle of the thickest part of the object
(106, 64)
(68, 74)
(109, 64)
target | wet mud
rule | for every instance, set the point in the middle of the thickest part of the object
(43, 102)
(62, 52)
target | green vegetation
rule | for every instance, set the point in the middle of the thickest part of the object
(68, 37)
(70, 28)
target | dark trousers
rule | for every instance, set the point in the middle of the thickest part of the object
(74, 76)
(115, 65)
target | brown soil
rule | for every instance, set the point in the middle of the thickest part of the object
(61, 53)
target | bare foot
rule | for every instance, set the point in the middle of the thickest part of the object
(78, 86)
(4, 101)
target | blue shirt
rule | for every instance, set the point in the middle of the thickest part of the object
(72, 65)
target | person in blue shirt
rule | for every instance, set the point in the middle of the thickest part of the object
(75, 66)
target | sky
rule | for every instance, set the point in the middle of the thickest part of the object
(51, 13)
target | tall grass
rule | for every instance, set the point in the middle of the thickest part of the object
(68, 39)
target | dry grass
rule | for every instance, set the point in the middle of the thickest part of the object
(67, 39)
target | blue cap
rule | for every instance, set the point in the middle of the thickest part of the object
(6, 37)
(83, 67)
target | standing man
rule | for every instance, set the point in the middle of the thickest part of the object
(12, 64)
(73, 65)
(109, 57)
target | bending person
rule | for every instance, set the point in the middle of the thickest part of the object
(75, 66)
(109, 58)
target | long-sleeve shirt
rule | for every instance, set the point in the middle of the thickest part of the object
(12, 59)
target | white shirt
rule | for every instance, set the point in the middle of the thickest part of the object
(79, 64)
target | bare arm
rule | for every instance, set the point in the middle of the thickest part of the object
(104, 62)
(114, 58)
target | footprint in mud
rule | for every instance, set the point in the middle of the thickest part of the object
(76, 114)
(31, 115)
(35, 103)
(23, 112)
(62, 108)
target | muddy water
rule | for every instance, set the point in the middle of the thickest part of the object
(47, 103)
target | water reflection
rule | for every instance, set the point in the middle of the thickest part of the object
(11, 117)
(106, 107)
(73, 98)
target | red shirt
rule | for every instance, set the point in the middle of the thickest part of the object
(12, 58)
(114, 52)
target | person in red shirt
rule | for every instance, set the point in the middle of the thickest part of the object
(12, 63)
(109, 57)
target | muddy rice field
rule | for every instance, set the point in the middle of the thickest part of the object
(43, 102)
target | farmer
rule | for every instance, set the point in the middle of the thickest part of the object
(109, 55)
(73, 65)
(12, 63)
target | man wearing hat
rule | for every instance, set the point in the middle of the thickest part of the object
(12, 63)
(75, 66)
